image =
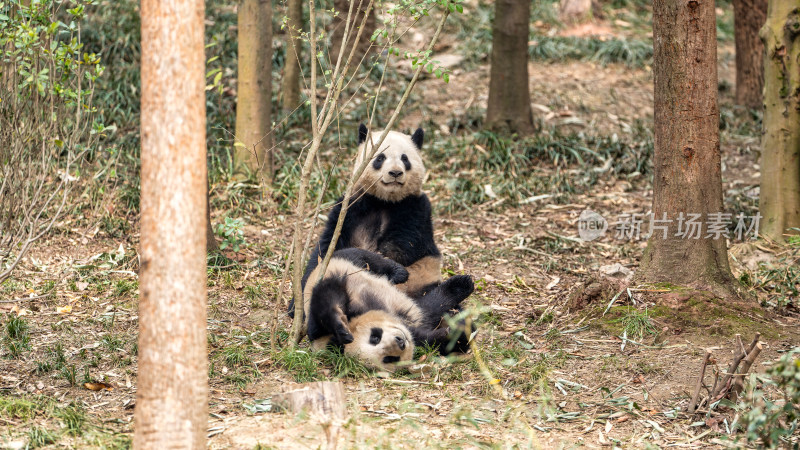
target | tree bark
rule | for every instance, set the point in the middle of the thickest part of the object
(290, 85)
(509, 108)
(575, 11)
(749, 16)
(687, 177)
(338, 26)
(780, 146)
(254, 86)
(172, 393)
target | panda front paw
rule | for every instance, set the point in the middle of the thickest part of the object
(399, 275)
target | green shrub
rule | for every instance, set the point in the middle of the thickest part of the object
(767, 422)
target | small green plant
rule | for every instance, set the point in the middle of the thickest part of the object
(300, 363)
(636, 324)
(235, 356)
(17, 408)
(112, 342)
(123, 287)
(39, 437)
(231, 233)
(73, 417)
(70, 374)
(16, 339)
(343, 365)
(767, 422)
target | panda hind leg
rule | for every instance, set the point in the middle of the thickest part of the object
(446, 296)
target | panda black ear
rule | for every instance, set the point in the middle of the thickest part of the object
(417, 137)
(362, 133)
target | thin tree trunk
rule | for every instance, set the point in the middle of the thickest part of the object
(254, 86)
(172, 393)
(780, 154)
(294, 46)
(749, 16)
(575, 11)
(509, 108)
(687, 177)
(339, 23)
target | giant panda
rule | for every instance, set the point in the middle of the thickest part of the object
(389, 214)
(358, 306)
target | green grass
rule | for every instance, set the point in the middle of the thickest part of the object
(631, 52)
(40, 437)
(73, 418)
(636, 324)
(18, 408)
(17, 338)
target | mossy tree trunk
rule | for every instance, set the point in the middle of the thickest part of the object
(749, 16)
(687, 177)
(172, 392)
(780, 146)
(292, 71)
(253, 155)
(509, 108)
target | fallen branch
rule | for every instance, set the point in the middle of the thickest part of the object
(693, 404)
(731, 384)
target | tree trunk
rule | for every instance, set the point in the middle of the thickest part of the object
(172, 393)
(254, 99)
(780, 147)
(575, 11)
(338, 27)
(749, 16)
(687, 177)
(294, 46)
(509, 108)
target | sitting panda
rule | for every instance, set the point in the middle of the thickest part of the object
(389, 214)
(358, 306)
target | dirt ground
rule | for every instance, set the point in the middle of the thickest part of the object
(558, 374)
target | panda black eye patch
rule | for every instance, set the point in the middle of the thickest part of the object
(406, 162)
(378, 162)
(375, 336)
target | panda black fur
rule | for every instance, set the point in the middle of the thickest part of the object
(389, 213)
(357, 305)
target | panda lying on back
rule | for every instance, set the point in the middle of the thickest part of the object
(357, 305)
(389, 213)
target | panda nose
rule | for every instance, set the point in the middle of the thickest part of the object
(401, 342)
(395, 173)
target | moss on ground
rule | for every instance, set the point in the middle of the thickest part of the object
(694, 311)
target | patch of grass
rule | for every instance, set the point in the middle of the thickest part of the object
(123, 287)
(781, 280)
(73, 417)
(235, 357)
(631, 52)
(300, 363)
(40, 437)
(18, 408)
(112, 342)
(343, 365)
(636, 324)
(69, 374)
(17, 339)
(115, 227)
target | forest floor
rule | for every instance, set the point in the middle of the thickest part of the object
(564, 369)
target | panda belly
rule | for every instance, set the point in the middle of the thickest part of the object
(369, 231)
(423, 275)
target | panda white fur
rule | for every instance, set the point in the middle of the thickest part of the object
(389, 213)
(357, 305)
